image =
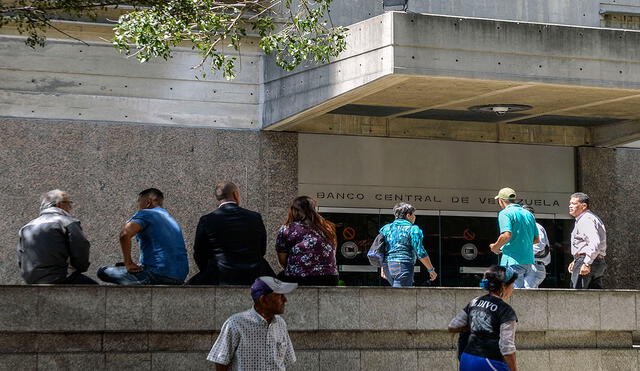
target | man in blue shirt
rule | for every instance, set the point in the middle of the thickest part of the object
(163, 256)
(517, 232)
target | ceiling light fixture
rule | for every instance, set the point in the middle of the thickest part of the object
(500, 109)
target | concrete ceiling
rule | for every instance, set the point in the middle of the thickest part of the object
(438, 107)
(421, 74)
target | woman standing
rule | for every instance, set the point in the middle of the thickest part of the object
(492, 325)
(306, 246)
(404, 244)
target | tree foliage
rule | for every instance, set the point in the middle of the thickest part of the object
(293, 32)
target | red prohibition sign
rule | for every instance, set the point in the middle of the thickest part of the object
(469, 235)
(349, 233)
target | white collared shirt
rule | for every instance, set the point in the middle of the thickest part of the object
(248, 342)
(228, 202)
(589, 237)
(540, 246)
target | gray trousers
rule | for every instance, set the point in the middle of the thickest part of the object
(593, 280)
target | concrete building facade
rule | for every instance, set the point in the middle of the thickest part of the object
(388, 119)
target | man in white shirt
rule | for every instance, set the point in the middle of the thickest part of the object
(257, 339)
(541, 252)
(588, 245)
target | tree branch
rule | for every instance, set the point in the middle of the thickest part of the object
(206, 54)
(64, 33)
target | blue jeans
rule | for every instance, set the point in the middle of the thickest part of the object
(469, 362)
(526, 276)
(541, 273)
(399, 274)
(120, 276)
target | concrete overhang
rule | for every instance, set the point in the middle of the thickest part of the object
(416, 75)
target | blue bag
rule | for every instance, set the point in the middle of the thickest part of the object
(377, 251)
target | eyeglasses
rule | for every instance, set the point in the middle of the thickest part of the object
(68, 202)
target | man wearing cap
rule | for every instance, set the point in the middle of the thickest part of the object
(257, 339)
(588, 245)
(517, 231)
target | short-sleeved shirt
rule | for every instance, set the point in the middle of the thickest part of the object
(310, 253)
(404, 241)
(162, 249)
(485, 315)
(542, 245)
(522, 226)
(248, 342)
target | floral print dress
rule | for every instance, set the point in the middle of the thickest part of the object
(310, 253)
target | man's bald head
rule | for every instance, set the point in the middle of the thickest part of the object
(227, 191)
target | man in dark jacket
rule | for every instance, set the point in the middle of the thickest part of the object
(52, 242)
(230, 242)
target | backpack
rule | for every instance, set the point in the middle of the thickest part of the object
(377, 251)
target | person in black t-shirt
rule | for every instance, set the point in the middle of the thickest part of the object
(491, 324)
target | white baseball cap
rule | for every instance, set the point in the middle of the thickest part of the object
(265, 285)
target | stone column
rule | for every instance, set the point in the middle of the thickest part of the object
(611, 178)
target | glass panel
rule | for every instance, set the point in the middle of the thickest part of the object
(430, 226)
(355, 233)
(457, 245)
(559, 233)
(465, 249)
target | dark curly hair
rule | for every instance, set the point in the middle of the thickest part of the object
(496, 278)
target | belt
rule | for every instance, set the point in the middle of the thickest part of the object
(583, 255)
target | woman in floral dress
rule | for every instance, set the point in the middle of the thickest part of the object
(306, 246)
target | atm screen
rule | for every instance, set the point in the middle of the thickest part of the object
(458, 246)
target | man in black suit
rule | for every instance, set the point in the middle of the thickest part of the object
(230, 243)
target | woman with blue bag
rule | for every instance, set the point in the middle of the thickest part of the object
(403, 246)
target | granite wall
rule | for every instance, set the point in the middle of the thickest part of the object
(341, 328)
(610, 177)
(104, 165)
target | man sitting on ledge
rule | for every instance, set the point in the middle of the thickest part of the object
(52, 242)
(163, 256)
(230, 242)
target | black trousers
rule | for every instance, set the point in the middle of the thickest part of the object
(593, 280)
(77, 278)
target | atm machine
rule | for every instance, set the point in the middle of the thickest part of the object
(457, 243)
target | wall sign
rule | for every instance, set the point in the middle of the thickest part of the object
(371, 172)
(427, 199)
(469, 251)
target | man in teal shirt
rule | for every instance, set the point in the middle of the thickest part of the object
(517, 232)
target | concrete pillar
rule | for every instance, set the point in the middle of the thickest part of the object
(611, 178)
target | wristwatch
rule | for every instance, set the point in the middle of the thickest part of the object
(430, 270)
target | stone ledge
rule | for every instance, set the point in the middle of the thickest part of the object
(46, 308)
(317, 360)
(127, 342)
